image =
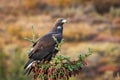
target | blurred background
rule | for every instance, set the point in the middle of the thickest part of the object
(92, 24)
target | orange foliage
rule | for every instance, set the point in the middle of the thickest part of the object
(55, 3)
(26, 34)
(14, 30)
(28, 4)
(64, 3)
(18, 32)
(108, 68)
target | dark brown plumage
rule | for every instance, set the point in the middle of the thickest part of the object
(44, 48)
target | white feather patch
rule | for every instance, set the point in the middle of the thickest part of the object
(59, 27)
(31, 49)
(29, 65)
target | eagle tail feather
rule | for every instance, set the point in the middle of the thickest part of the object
(28, 67)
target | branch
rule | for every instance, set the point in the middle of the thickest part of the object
(59, 44)
(60, 67)
(28, 39)
(33, 36)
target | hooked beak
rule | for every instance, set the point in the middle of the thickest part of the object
(64, 21)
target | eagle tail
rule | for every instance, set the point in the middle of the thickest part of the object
(28, 67)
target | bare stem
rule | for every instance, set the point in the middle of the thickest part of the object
(33, 34)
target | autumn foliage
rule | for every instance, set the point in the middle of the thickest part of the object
(59, 68)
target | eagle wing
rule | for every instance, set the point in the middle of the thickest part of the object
(43, 47)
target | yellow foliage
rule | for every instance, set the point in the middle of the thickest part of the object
(2, 42)
(26, 34)
(14, 30)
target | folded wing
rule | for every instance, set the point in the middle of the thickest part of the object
(43, 48)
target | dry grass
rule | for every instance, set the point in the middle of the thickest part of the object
(86, 29)
(79, 35)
